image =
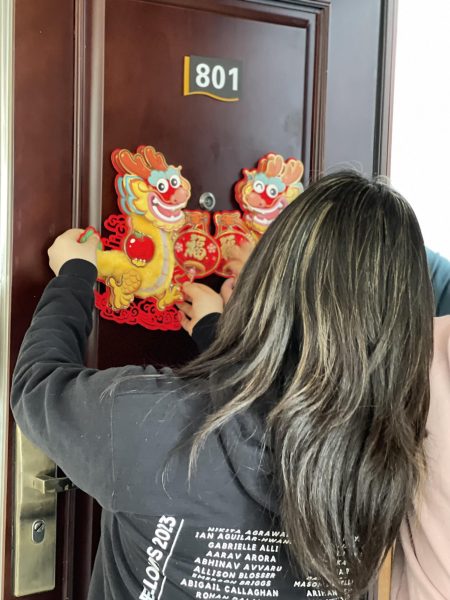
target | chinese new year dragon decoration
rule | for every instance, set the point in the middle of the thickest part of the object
(155, 244)
(152, 195)
(265, 191)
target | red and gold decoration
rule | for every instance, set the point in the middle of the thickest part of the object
(264, 192)
(155, 244)
(137, 261)
(231, 231)
(196, 251)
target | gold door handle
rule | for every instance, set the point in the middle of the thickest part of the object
(36, 488)
(47, 484)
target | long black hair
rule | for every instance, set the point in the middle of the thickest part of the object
(334, 311)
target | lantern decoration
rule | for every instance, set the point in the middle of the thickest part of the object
(196, 251)
(154, 245)
(231, 231)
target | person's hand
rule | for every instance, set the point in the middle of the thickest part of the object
(200, 301)
(66, 246)
(238, 256)
(227, 289)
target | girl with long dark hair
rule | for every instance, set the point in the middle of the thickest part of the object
(286, 459)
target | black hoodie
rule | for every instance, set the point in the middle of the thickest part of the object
(116, 433)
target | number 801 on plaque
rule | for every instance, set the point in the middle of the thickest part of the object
(218, 78)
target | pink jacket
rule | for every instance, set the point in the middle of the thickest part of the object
(421, 568)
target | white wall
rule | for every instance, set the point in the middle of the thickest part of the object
(420, 166)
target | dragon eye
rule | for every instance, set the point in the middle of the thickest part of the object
(258, 187)
(175, 181)
(272, 191)
(162, 185)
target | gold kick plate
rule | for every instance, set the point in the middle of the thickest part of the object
(34, 546)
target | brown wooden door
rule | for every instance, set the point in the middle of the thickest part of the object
(94, 76)
(281, 108)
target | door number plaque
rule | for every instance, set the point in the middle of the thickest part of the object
(218, 78)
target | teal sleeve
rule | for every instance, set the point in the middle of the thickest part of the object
(440, 278)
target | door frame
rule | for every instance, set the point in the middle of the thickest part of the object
(88, 164)
(385, 93)
(6, 212)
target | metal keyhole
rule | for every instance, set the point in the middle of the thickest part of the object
(207, 201)
(38, 531)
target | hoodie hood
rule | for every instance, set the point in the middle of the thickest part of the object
(243, 440)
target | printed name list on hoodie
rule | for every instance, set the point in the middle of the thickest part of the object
(230, 564)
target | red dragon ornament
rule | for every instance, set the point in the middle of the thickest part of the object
(154, 244)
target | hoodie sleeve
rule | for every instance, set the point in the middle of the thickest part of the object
(204, 333)
(63, 407)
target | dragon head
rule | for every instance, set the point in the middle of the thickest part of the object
(146, 185)
(264, 192)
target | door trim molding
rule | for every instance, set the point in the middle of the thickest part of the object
(385, 88)
(88, 123)
(6, 212)
(88, 117)
(322, 28)
(96, 106)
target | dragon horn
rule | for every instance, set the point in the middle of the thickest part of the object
(126, 162)
(293, 171)
(262, 163)
(274, 166)
(155, 159)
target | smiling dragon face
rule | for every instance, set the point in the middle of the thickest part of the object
(264, 192)
(146, 185)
